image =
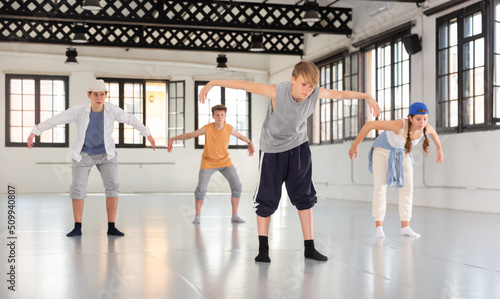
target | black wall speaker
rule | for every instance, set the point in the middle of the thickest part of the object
(412, 43)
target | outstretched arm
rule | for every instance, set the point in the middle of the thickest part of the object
(241, 137)
(201, 131)
(435, 137)
(388, 125)
(266, 90)
(350, 95)
(64, 117)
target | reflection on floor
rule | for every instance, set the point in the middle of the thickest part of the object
(163, 255)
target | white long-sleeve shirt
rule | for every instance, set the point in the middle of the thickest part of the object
(80, 115)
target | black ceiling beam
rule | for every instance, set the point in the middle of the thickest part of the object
(214, 15)
(137, 35)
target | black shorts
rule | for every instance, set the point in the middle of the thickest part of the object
(294, 168)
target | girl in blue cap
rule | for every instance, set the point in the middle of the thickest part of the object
(391, 161)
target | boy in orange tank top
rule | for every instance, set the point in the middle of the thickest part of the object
(215, 158)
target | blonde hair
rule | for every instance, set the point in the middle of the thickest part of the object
(308, 71)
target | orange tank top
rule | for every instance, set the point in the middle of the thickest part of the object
(215, 152)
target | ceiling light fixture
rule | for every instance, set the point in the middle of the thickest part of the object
(79, 36)
(311, 15)
(256, 45)
(92, 5)
(71, 54)
(221, 62)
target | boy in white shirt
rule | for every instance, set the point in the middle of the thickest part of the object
(93, 146)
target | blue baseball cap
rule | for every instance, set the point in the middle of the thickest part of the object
(415, 107)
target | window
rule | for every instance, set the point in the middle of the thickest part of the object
(158, 104)
(31, 99)
(387, 77)
(336, 119)
(129, 96)
(461, 71)
(496, 63)
(351, 107)
(238, 112)
(176, 93)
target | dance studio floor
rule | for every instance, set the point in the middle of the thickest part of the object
(163, 255)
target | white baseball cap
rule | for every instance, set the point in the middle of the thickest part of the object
(97, 85)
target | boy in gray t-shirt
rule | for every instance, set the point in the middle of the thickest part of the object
(285, 156)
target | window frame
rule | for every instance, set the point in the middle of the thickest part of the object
(197, 145)
(487, 18)
(391, 40)
(177, 143)
(37, 79)
(490, 72)
(336, 59)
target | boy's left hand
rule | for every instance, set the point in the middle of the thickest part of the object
(250, 149)
(152, 141)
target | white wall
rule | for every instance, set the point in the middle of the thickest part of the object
(466, 180)
(26, 169)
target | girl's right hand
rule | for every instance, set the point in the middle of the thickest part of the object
(353, 152)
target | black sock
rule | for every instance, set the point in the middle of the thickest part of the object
(263, 250)
(76, 231)
(311, 253)
(112, 230)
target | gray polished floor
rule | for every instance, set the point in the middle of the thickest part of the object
(164, 255)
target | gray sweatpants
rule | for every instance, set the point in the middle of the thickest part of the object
(228, 172)
(81, 170)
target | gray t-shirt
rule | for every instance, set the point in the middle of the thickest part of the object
(285, 127)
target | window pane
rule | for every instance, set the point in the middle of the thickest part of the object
(497, 40)
(453, 60)
(443, 36)
(16, 134)
(443, 62)
(16, 118)
(477, 24)
(497, 102)
(46, 87)
(469, 111)
(453, 33)
(468, 55)
(479, 110)
(468, 26)
(156, 112)
(479, 52)
(479, 81)
(46, 102)
(28, 87)
(467, 86)
(16, 102)
(16, 86)
(29, 102)
(443, 87)
(454, 86)
(454, 113)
